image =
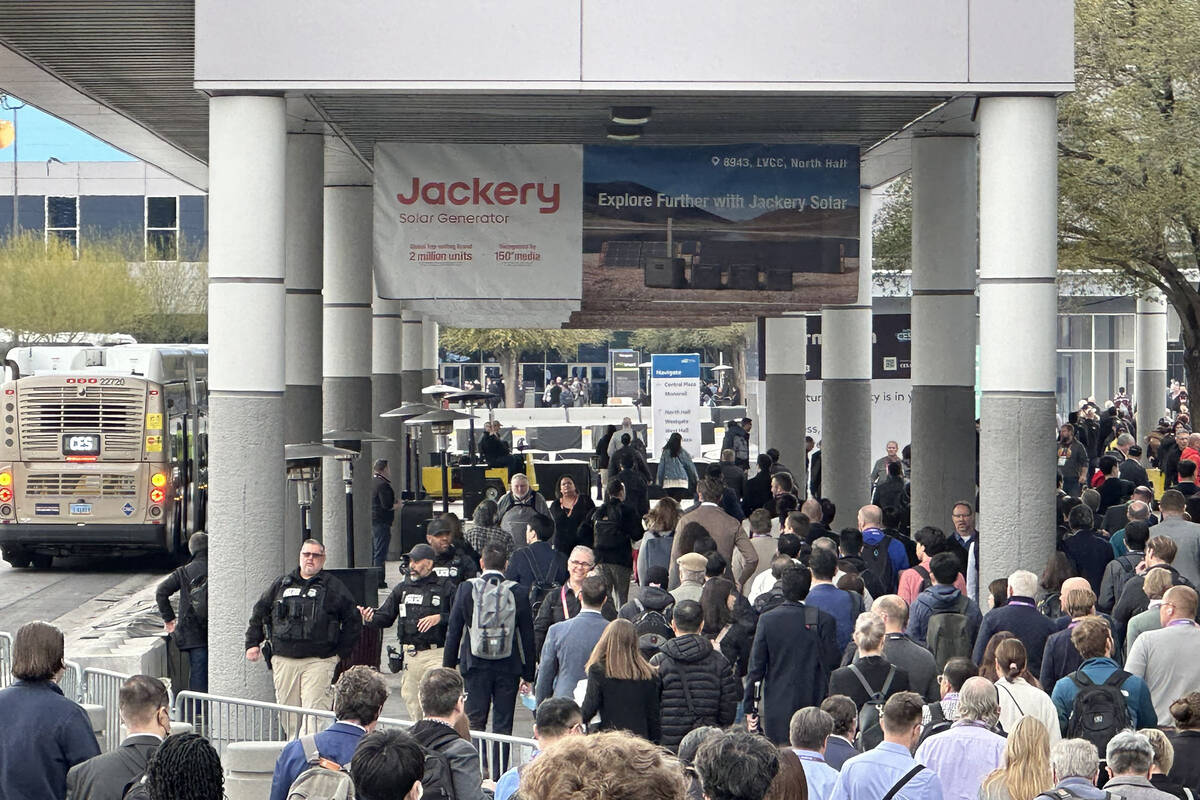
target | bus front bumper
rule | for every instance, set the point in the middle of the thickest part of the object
(66, 540)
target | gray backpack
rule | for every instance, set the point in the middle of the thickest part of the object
(493, 619)
(949, 633)
(322, 779)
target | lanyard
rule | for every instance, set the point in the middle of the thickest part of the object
(1021, 603)
(809, 756)
(1175, 622)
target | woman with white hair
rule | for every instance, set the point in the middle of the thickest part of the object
(869, 678)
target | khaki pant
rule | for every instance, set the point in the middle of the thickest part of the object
(303, 682)
(416, 665)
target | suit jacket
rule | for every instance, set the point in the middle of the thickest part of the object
(756, 492)
(793, 664)
(105, 776)
(726, 532)
(458, 638)
(838, 751)
(565, 652)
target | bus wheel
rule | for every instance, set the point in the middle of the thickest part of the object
(42, 561)
(18, 558)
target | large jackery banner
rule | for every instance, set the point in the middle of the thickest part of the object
(464, 222)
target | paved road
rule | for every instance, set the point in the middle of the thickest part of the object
(30, 594)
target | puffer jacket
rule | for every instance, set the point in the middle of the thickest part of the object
(712, 692)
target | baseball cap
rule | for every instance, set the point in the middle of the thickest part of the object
(421, 552)
(439, 527)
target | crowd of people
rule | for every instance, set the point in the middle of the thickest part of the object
(705, 631)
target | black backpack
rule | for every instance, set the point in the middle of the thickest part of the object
(193, 599)
(438, 780)
(926, 578)
(879, 563)
(870, 733)
(937, 721)
(652, 629)
(542, 586)
(606, 531)
(1099, 711)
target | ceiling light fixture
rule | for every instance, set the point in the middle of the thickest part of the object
(624, 133)
(630, 115)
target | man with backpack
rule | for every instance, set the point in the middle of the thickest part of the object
(965, 754)
(389, 765)
(1100, 698)
(563, 603)
(939, 716)
(1121, 569)
(555, 719)
(319, 762)
(537, 566)
(651, 613)
(794, 652)
(569, 643)
(944, 619)
(615, 527)
(699, 686)
(190, 627)
(890, 769)
(883, 555)
(451, 762)
(490, 634)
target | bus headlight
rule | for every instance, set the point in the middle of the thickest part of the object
(5, 478)
(159, 479)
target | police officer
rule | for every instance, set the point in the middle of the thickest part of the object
(309, 619)
(449, 561)
(422, 601)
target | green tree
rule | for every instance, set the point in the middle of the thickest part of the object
(1129, 146)
(1129, 161)
(47, 290)
(508, 343)
(729, 339)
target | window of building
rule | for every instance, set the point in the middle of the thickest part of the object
(62, 220)
(162, 228)
(1095, 356)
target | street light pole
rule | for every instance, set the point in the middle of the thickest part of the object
(6, 102)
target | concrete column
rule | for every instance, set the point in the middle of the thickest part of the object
(346, 363)
(411, 350)
(1150, 376)
(429, 352)
(247, 155)
(945, 256)
(302, 322)
(846, 388)
(1018, 192)
(783, 425)
(385, 394)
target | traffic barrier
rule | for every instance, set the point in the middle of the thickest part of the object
(5, 659)
(225, 720)
(71, 681)
(98, 720)
(489, 746)
(102, 687)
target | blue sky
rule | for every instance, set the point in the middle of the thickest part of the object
(41, 136)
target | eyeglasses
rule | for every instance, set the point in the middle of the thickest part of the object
(312, 555)
(961, 516)
(588, 564)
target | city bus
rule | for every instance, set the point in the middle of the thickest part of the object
(104, 451)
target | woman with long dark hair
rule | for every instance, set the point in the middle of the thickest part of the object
(676, 472)
(571, 510)
(728, 622)
(621, 685)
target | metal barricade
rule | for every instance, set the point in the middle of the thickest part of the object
(490, 746)
(5, 659)
(102, 687)
(71, 681)
(224, 720)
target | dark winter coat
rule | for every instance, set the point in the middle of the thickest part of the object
(190, 633)
(690, 661)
